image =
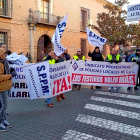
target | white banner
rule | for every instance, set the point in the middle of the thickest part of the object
(58, 48)
(94, 39)
(133, 13)
(104, 73)
(20, 88)
(14, 58)
(38, 79)
(64, 74)
(60, 79)
(60, 75)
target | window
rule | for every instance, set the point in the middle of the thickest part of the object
(85, 16)
(5, 38)
(84, 46)
(45, 10)
(6, 8)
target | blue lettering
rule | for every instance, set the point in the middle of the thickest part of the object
(40, 68)
(61, 25)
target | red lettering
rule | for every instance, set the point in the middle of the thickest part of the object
(58, 85)
(64, 85)
(69, 80)
(54, 88)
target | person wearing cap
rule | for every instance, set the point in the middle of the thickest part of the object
(78, 56)
(113, 57)
(52, 58)
(6, 74)
(96, 56)
(136, 58)
(130, 52)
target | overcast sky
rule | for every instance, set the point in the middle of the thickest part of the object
(131, 2)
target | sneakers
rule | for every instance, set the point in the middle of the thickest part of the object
(109, 89)
(2, 127)
(128, 88)
(114, 89)
(50, 105)
(7, 125)
(136, 88)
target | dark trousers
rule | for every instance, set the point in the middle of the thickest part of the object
(138, 78)
(0, 105)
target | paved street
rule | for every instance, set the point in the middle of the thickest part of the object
(84, 115)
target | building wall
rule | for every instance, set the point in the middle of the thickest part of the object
(19, 25)
(71, 36)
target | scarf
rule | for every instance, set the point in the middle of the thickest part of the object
(7, 69)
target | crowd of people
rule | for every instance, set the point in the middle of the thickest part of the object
(7, 72)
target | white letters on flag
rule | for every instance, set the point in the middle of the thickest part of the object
(94, 39)
(58, 48)
(38, 79)
(16, 59)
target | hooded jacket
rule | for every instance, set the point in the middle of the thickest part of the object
(96, 56)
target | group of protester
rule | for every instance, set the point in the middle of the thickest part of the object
(7, 72)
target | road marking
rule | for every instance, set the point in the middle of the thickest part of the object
(118, 95)
(108, 124)
(113, 111)
(75, 135)
(113, 101)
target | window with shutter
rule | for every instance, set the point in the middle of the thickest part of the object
(45, 10)
(84, 46)
(85, 15)
(5, 37)
(6, 8)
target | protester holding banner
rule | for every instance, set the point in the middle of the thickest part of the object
(130, 52)
(78, 56)
(96, 56)
(67, 56)
(6, 74)
(52, 58)
(113, 57)
(136, 58)
(61, 58)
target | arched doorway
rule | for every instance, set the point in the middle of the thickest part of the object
(44, 44)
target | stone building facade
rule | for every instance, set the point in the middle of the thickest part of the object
(28, 26)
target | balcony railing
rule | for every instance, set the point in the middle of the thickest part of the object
(49, 19)
(6, 8)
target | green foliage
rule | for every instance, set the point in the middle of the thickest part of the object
(111, 25)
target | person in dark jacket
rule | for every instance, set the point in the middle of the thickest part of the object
(67, 56)
(130, 52)
(96, 56)
(136, 58)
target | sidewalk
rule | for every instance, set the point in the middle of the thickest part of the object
(69, 119)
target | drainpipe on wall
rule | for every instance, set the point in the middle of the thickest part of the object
(31, 25)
